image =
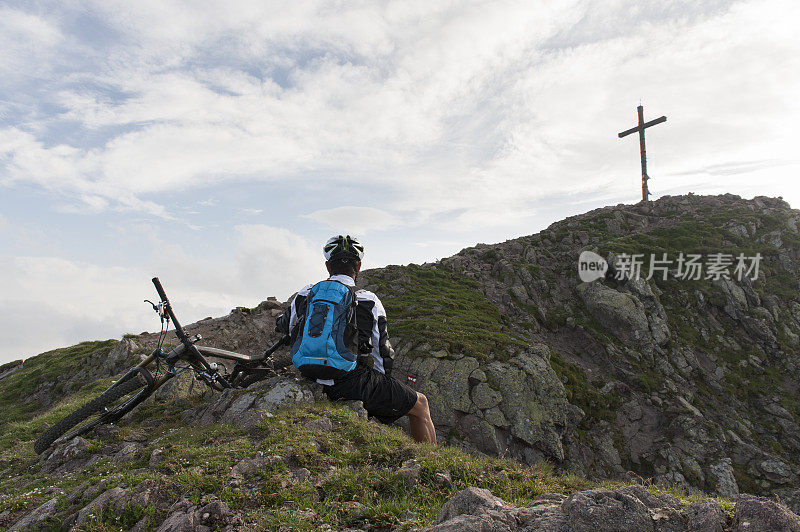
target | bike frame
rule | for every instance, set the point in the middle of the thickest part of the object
(247, 368)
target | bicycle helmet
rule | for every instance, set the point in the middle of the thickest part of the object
(343, 247)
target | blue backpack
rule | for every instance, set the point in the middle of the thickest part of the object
(326, 346)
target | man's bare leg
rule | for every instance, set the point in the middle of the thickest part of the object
(420, 423)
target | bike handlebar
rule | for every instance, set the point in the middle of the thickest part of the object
(160, 290)
(178, 329)
(163, 295)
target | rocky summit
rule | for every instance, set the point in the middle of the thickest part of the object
(660, 395)
(686, 379)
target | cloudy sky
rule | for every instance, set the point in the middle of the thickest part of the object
(218, 144)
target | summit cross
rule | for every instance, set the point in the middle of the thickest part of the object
(640, 128)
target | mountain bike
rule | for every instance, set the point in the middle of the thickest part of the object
(141, 381)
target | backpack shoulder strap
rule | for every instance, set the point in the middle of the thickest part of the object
(351, 289)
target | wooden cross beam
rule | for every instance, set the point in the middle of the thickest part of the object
(640, 128)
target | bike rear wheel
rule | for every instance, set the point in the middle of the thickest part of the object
(105, 407)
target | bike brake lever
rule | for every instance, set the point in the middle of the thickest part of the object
(160, 309)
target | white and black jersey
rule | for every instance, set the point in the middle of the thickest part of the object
(371, 319)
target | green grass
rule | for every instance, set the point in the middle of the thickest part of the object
(704, 234)
(357, 461)
(648, 380)
(53, 367)
(444, 310)
(29, 427)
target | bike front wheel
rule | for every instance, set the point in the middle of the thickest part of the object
(107, 407)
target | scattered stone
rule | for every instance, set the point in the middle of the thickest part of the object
(181, 504)
(722, 471)
(705, 515)
(477, 376)
(250, 466)
(38, 518)
(77, 493)
(484, 396)
(146, 493)
(179, 521)
(156, 458)
(470, 523)
(215, 513)
(66, 457)
(142, 525)
(322, 424)
(443, 478)
(108, 499)
(301, 475)
(354, 509)
(622, 314)
(357, 407)
(95, 489)
(757, 513)
(107, 432)
(607, 510)
(247, 409)
(236, 411)
(212, 515)
(410, 471)
(136, 435)
(129, 451)
(628, 508)
(471, 501)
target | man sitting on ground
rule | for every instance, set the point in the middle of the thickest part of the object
(342, 343)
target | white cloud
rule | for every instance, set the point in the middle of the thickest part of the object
(455, 106)
(270, 260)
(54, 302)
(27, 42)
(355, 220)
(50, 298)
(31, 327)
(4, 223)
(437, 243)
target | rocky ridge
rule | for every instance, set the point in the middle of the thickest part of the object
(603, 510)
(693, 382)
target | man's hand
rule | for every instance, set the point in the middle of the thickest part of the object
(387, 353)
(364, 346)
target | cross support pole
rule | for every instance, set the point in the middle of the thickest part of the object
(640, 129)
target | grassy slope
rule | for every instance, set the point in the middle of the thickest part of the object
(52, 369)
(444, 310)
(356, 461)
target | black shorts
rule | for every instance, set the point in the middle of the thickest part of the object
(385, 398)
